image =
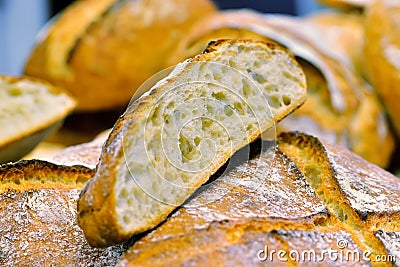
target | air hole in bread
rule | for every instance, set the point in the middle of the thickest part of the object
(219, 95)
(286, 100)
(275, 101)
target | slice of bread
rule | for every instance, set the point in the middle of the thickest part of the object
(29, 110)
(170, 141)
(38, 217)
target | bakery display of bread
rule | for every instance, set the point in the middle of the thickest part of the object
(382, 49)
(68, 51)
(340, 106)
(258, 148)
(38, 217)
(30, 109)
(185, 128)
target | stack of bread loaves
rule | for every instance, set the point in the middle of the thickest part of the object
(303, 195)
(371, 41)
(186, 177)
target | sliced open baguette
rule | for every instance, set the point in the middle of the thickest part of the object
(171, 140)
(29, 110)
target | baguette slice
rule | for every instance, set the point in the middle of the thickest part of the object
(171, 140)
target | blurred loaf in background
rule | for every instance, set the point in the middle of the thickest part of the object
(103, 50)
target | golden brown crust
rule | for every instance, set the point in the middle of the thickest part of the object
(235, 247)
(381, 53)
(28, 174)
(97, 213)
(38, 217)
(360, 182)
(124, 60)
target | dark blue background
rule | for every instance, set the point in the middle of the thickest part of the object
(266, 6)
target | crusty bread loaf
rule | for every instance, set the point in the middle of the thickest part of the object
(234, 217)
(340, 107)
(319, 201)
(381, 53)
(30, 109)
(103, 50)
(171, 140)
(38, 217)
